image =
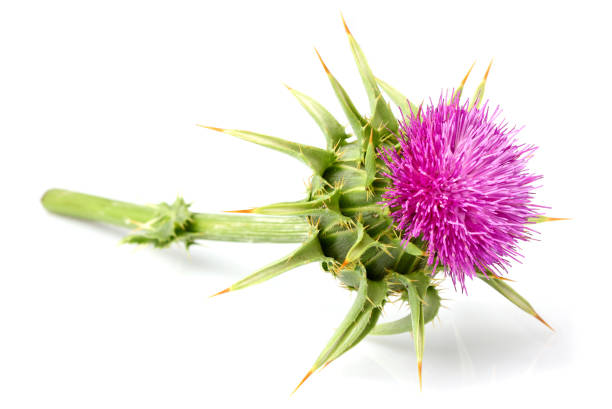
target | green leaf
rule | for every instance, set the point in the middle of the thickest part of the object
(331, 128)
(318, 159)
(398, 99)
(309, 252)
(347, 324)
(416, 284)
(504, 289)
(377, 293)
(355, 119)
(382, 111)
(320, 205)
(431, 306)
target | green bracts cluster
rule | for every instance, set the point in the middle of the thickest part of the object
(340, 223)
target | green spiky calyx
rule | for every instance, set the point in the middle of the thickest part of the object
(340, 222)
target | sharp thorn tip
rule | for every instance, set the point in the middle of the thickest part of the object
(212, 128)
(543, 322)
(227, 290)
(322, 63)
(240, 211)
(302, 381)
(345, 26)
(467, 75)
(488, 69)
(420, 365)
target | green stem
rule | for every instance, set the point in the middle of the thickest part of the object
(222, 227)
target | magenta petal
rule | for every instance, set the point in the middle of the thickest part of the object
(460, 182)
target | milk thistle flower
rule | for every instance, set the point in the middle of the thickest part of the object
(448, 187)
(459, 181)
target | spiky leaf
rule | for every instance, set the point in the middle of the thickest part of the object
(431, 306)
(309, 252)
(331, 128)
(398, 99)
(504, 289)
(318, 159)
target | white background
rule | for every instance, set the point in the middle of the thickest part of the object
(103, 97)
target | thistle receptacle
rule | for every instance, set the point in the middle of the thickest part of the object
(390, 206)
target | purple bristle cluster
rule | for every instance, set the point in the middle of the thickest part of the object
(459, 181)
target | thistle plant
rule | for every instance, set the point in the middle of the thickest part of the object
(392, 208)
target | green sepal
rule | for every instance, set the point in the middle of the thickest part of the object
(362, 243)
(370, 163)
(310, 251)
(431, 306)
(378, 106)
(377, 293)
(331, 128)
(459, 90)
(479, 94)
(345, 326)
(544, 219)
(360, 319)
(170, 224)
(504, 289)
(412, 249)
(383, 119)
(416, 284)
(318, 159)
(355, 119)
(398, 99)
(321, 205)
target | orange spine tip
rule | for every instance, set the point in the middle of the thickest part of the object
(488, 69)
(543, 322)
(420, 365)
(227, 290)
(495, 277)
(288, 87)
(212, 128)
(467, 75)
(345, 26)
(240, 211)
(321, 59)
(302, 381)
(344, 263)
(556, 219)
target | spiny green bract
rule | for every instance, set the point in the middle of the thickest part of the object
(171, 224)
(352, 234)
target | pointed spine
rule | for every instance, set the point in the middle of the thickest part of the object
(317, 159)
(431, 306)
(355, 119)
(349, 320)
(459, 90)
(331, 128)
(378, 106)
(479, 94)
(309, 252)
(504, 289)
(398, 99)
(321, 205)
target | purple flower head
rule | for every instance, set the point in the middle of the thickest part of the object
(459, 181)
